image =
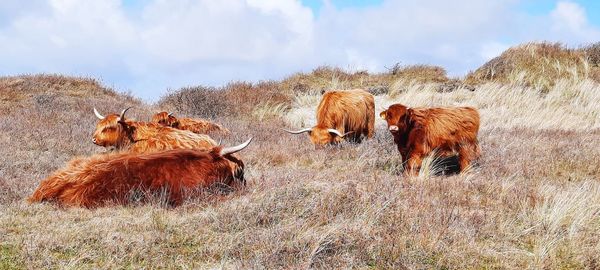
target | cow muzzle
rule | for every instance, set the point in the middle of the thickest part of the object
(393, 128)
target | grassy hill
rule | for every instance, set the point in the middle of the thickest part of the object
(533, 201)
(540, 65)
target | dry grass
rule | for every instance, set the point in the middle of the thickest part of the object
(533, 201)
(233, 100)
(327, 78)
(539, 66)
(421, 74)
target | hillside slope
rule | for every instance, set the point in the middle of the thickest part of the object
(532, 202)
(45, 120)
(540, 65)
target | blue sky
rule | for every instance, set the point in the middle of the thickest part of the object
(540, 7)
(316, 5)
(147, 47)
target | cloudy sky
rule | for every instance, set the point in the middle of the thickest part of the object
(147, 47)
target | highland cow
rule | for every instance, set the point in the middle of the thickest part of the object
(113, 178)
(199, 126)
(341, 113)
(419, 131)
(115, 131)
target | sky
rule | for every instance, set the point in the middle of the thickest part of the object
(154, 46)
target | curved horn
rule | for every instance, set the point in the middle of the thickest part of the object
(122, 116)
(233, 149)
(98, 114)
(297, 132)
(170, 114)
(336, 132)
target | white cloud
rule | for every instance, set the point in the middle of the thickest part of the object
(570, 21)
(174, 43)
(492, 49)
(569, 15)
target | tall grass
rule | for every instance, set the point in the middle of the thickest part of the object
(532, 201)
(539, 66)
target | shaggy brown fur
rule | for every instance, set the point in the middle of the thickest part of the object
(140, 137)
(199, 126)
(418, 131)
(349, 112)
(106, 179)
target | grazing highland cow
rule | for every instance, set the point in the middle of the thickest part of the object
(199, 126)
(114, 178)
(115, 131)
(419, 131)
(341, 113)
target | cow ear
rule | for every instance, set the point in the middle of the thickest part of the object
(383, 114)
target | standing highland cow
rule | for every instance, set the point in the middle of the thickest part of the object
(419, 131)
(112, 179)
(115, 131)
(199, 126)
(341, 113)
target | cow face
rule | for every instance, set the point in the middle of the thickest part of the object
(108, 131)
(235, 164)
(237, 168)
(396, 117)
(111, 130)
(322, 136)
(165, 119)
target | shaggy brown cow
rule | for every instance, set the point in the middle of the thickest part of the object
(115, 131)
(341, 113)
(114, 178)
(418, 131)
(199, 126)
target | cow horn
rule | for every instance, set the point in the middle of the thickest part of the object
(98, 114)
(336, 132)
(233, 149)
(122, 116)
(297, 132)
(170, 114)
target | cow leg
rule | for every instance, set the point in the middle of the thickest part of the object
(371, 128)
(476, 150)
(414, 159)
(413, 165)
(466, 154)
(416, 150)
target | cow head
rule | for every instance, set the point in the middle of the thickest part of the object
(112, 130)
(165, 119)
(397, 117)
(236, 164)
(321, 136)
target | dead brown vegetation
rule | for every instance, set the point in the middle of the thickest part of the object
(533, 202)
(234, 100)
(538, 65)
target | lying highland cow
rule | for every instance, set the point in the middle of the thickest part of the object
(199, 126)
(115, 131)
(112, 179)
(419, 131)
